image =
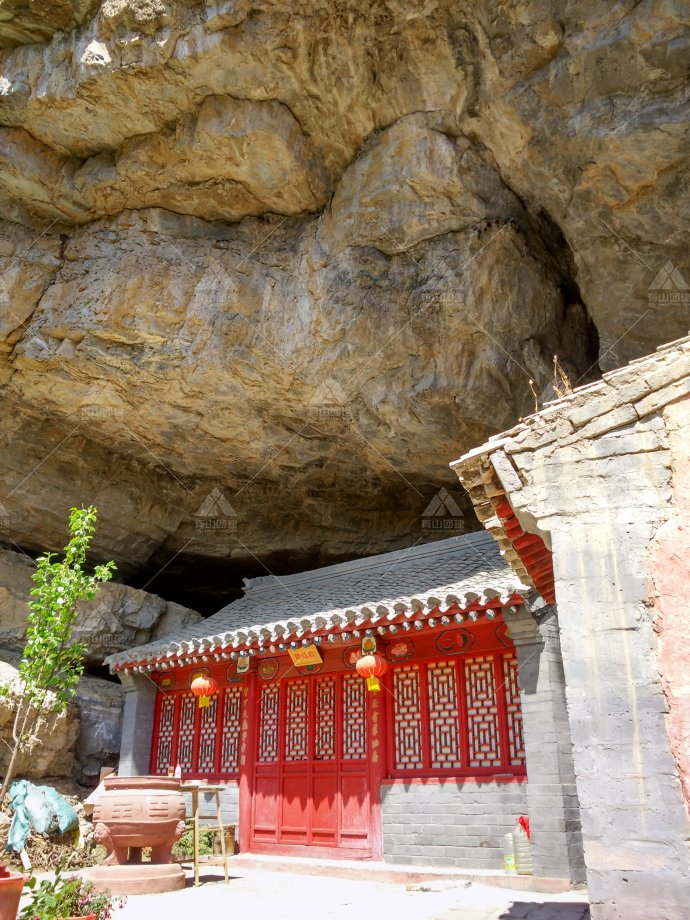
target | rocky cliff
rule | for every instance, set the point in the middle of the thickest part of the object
(268, 267)
(77, 743)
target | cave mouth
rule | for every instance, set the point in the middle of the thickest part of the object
(100, 671)
(207, 585)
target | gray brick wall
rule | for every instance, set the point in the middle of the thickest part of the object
(553, 805)
(229, 803)
(449, 824)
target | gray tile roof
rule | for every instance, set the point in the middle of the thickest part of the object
(457, 570)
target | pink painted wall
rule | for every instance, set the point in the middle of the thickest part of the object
(670, 566)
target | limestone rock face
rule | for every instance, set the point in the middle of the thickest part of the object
(119, 617)
(99, 704)
(77, 743)
(265, 269)
(52, 752)
(23, 22)
(72, 745)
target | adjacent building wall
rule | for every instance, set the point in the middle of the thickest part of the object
(671, 578)
(453, 823)
(600, 496)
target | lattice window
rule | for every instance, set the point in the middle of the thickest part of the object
(268, 723)
(166, 731)
(516, 744)
(444, 715)
(208, 733)
(185, 738)
(482, 713)
(324, 722)
(407, 717)
(230, 742)
(354, 717)
(297, 721)
(452, 716)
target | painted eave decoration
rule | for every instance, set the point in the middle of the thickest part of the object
(448, 582)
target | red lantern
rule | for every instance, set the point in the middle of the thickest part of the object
(372, 667)
(204, 687)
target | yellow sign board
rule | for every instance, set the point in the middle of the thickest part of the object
(301, 657)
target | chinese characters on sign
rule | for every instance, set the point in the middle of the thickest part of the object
(305, 656)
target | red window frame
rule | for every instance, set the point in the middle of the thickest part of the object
(505, 768)
(216, 773)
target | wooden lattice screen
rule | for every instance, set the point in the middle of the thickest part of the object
(204, 742)
(457, 715)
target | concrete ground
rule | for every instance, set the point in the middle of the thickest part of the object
(287, 896)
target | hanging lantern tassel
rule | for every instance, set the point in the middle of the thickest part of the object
(204, 688)
(372, 667)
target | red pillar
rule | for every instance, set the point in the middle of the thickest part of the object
(376, 715)
(247, 754)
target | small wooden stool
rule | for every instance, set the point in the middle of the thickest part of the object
(195, 789)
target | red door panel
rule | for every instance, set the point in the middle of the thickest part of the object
(324, 823)
(311, 784)
(355, 809)
(294, 824)
(266, 807)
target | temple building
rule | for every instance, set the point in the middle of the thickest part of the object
(468, 731)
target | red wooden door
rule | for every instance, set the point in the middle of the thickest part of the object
(311, 777)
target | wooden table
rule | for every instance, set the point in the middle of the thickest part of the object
(195, 789)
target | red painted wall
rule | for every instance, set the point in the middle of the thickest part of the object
(670, 567)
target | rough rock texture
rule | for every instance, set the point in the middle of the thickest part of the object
(25, 21)
(99, 704)
(53, 752)
(71, 746)
(119, 617)
(311, 252)
(85, 738)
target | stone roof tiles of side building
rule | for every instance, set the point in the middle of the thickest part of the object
(492, 471)
(462, 570)
(632, 392)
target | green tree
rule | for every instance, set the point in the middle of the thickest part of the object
(52, 664)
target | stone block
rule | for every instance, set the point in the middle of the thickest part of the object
(660, 398)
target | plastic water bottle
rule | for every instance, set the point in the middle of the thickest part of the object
(509, 855)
